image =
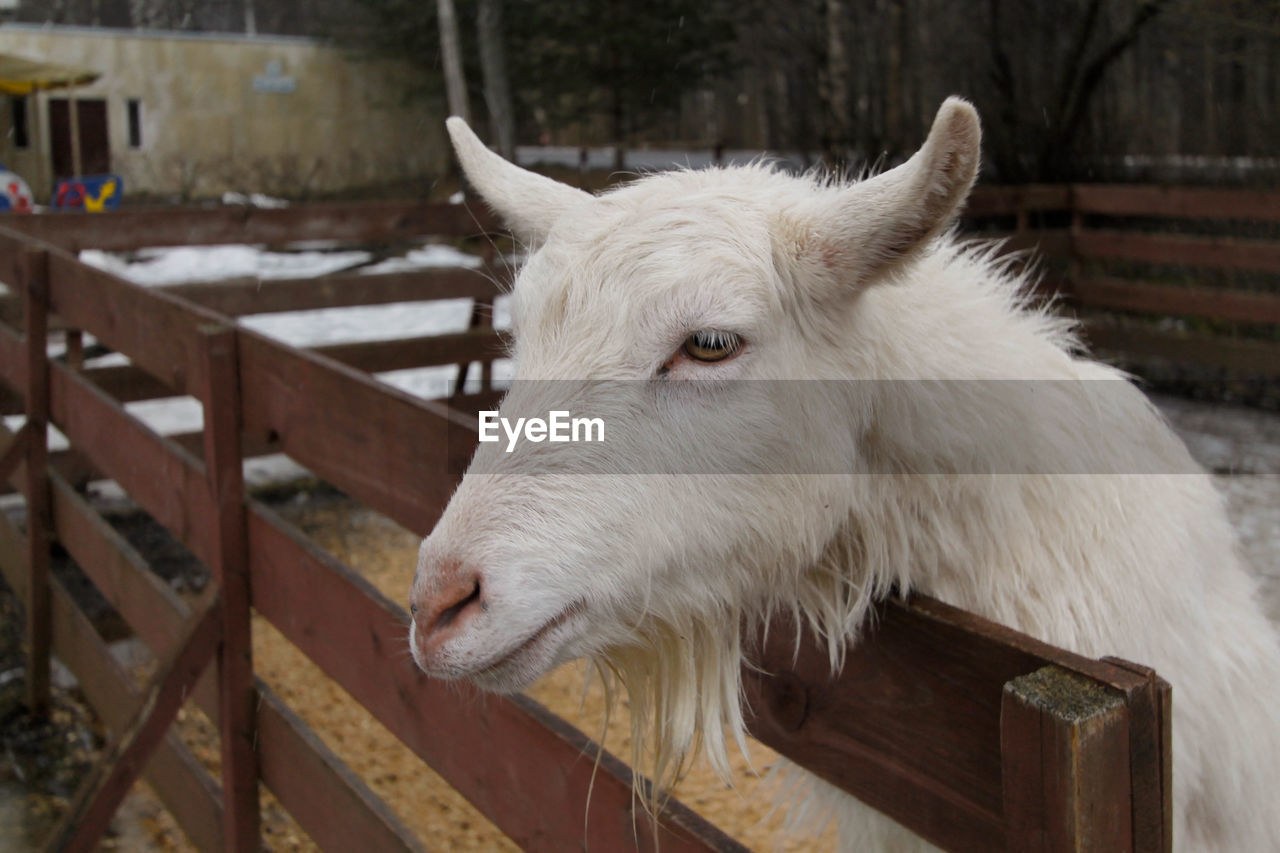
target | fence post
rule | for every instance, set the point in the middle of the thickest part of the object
(482, 316)
(1064, 743)
(236, 693)
(75, 349)
(34, 283)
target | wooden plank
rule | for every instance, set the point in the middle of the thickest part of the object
(398, 454)
(10, 309)
(128, 383)
(75, 349)
(241, 297)
(1046, 242)
(155, 330)
(68, 464)
(1065, 739)
(1177, 202)
(988, 200)
(10, 401)
(912, 726)
(120, 765)
(1179, 250)
(426, 351)
(1164, 710)
(229, 562)
(33, 282)
(331, 803)
(13, 450)
(486, 749)
(13, 562)
(148, 604)
(12, 244)
(1130, 295)
(161, 477)
(355, 222)
(1151, 752)
(13, 367)
(1257, 358)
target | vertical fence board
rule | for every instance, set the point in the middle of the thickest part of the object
(1151, 756)
(1066, 777)
(34, 283)
(230, 565)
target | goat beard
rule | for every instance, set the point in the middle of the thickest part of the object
(683, 674)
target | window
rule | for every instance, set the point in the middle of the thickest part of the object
(21, 131)
(135, 122)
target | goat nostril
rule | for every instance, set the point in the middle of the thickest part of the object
(451, 613)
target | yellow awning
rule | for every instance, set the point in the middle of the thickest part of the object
(21, 76)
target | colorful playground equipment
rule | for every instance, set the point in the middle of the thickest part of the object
(92, 193)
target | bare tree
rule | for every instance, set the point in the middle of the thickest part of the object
(493, 65)
(1040, 149)
(451, 56)
(1080, 79)
(838, 133)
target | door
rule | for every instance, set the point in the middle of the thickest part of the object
(95, 153)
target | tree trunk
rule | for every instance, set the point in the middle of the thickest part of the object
(451, 55)
(839, 130)
(493, 62)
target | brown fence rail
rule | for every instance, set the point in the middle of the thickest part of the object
(1135, 260)
(958, 768)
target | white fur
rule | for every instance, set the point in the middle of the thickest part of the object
(652, 575)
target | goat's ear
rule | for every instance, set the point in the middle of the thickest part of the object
(875, 224)
(528, 202)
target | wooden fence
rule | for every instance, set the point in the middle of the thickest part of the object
(1161, 276)
(952, 725)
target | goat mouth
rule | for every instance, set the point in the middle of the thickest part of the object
(529, 642)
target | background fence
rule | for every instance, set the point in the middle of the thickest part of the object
(1176, 283)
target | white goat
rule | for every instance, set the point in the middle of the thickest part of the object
(818, 503)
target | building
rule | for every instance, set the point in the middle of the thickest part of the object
(193, 115)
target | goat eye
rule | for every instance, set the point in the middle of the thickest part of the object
(711, 345)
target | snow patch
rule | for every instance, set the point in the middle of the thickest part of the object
(426, 257)
(174, 265)
(254, 200)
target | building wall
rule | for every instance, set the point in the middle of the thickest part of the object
(285, 116)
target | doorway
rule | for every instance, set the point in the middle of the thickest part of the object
(95, 151)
